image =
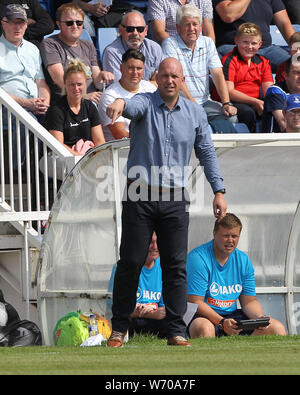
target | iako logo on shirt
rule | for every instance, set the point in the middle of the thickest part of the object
(139, 293)
(215, 289)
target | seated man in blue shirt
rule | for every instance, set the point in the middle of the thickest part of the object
(273, 120)
(218, 274)
(133, 31)
(149, 313)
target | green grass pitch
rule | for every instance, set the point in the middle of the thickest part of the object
(147, 355)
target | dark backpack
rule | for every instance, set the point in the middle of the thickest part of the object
(17, 332)
(11, 311)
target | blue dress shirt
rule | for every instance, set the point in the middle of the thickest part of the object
(161, 141)
(20, 67)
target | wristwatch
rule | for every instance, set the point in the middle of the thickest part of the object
(221, 191)
(228, 103)
(221, 324)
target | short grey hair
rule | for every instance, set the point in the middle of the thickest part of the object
(188, 10)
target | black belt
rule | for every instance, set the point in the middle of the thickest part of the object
(160, 188)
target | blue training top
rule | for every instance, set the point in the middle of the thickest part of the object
(220, 285)
(149, 289)
(150, 285)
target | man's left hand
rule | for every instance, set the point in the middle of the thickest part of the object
(219, 205)
(229, 110)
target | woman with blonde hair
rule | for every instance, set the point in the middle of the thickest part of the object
(74, 121)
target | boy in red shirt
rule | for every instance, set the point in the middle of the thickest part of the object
(248, 75)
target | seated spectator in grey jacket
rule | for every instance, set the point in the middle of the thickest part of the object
(133, 31)
(39, 22)
(57, 50)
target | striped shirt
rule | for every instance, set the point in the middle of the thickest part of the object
(166, 11)
(196, 64)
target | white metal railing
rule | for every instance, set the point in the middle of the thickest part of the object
(23, 187)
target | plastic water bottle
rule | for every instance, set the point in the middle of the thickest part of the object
(93, 326)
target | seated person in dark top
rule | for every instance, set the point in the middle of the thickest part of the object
(273, 119)
(108, 13)
(293, 10)
(74, 121)
(40, 22)
(229, 15)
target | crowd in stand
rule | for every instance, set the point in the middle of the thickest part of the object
(225, 48)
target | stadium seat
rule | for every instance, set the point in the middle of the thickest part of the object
(258, 128)
(241, 128)
(85, 35)
(277, 37)
(297, 28)
(140, 4)
(105, 36)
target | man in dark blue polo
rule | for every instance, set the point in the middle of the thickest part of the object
(164, 130)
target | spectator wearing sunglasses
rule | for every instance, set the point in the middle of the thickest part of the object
(58, 49)
(133, 31)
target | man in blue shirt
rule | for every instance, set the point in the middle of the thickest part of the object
(133, 31)
(218, 274)
(164, 130)
(273, 120)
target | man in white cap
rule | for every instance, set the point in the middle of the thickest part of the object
(291, 113)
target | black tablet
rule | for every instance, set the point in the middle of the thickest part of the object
(253, 324)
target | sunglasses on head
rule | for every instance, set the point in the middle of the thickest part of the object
(71, 23)
(130, 29)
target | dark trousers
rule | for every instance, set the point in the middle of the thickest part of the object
(170, 220)
(149, 326)
(247, 114)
